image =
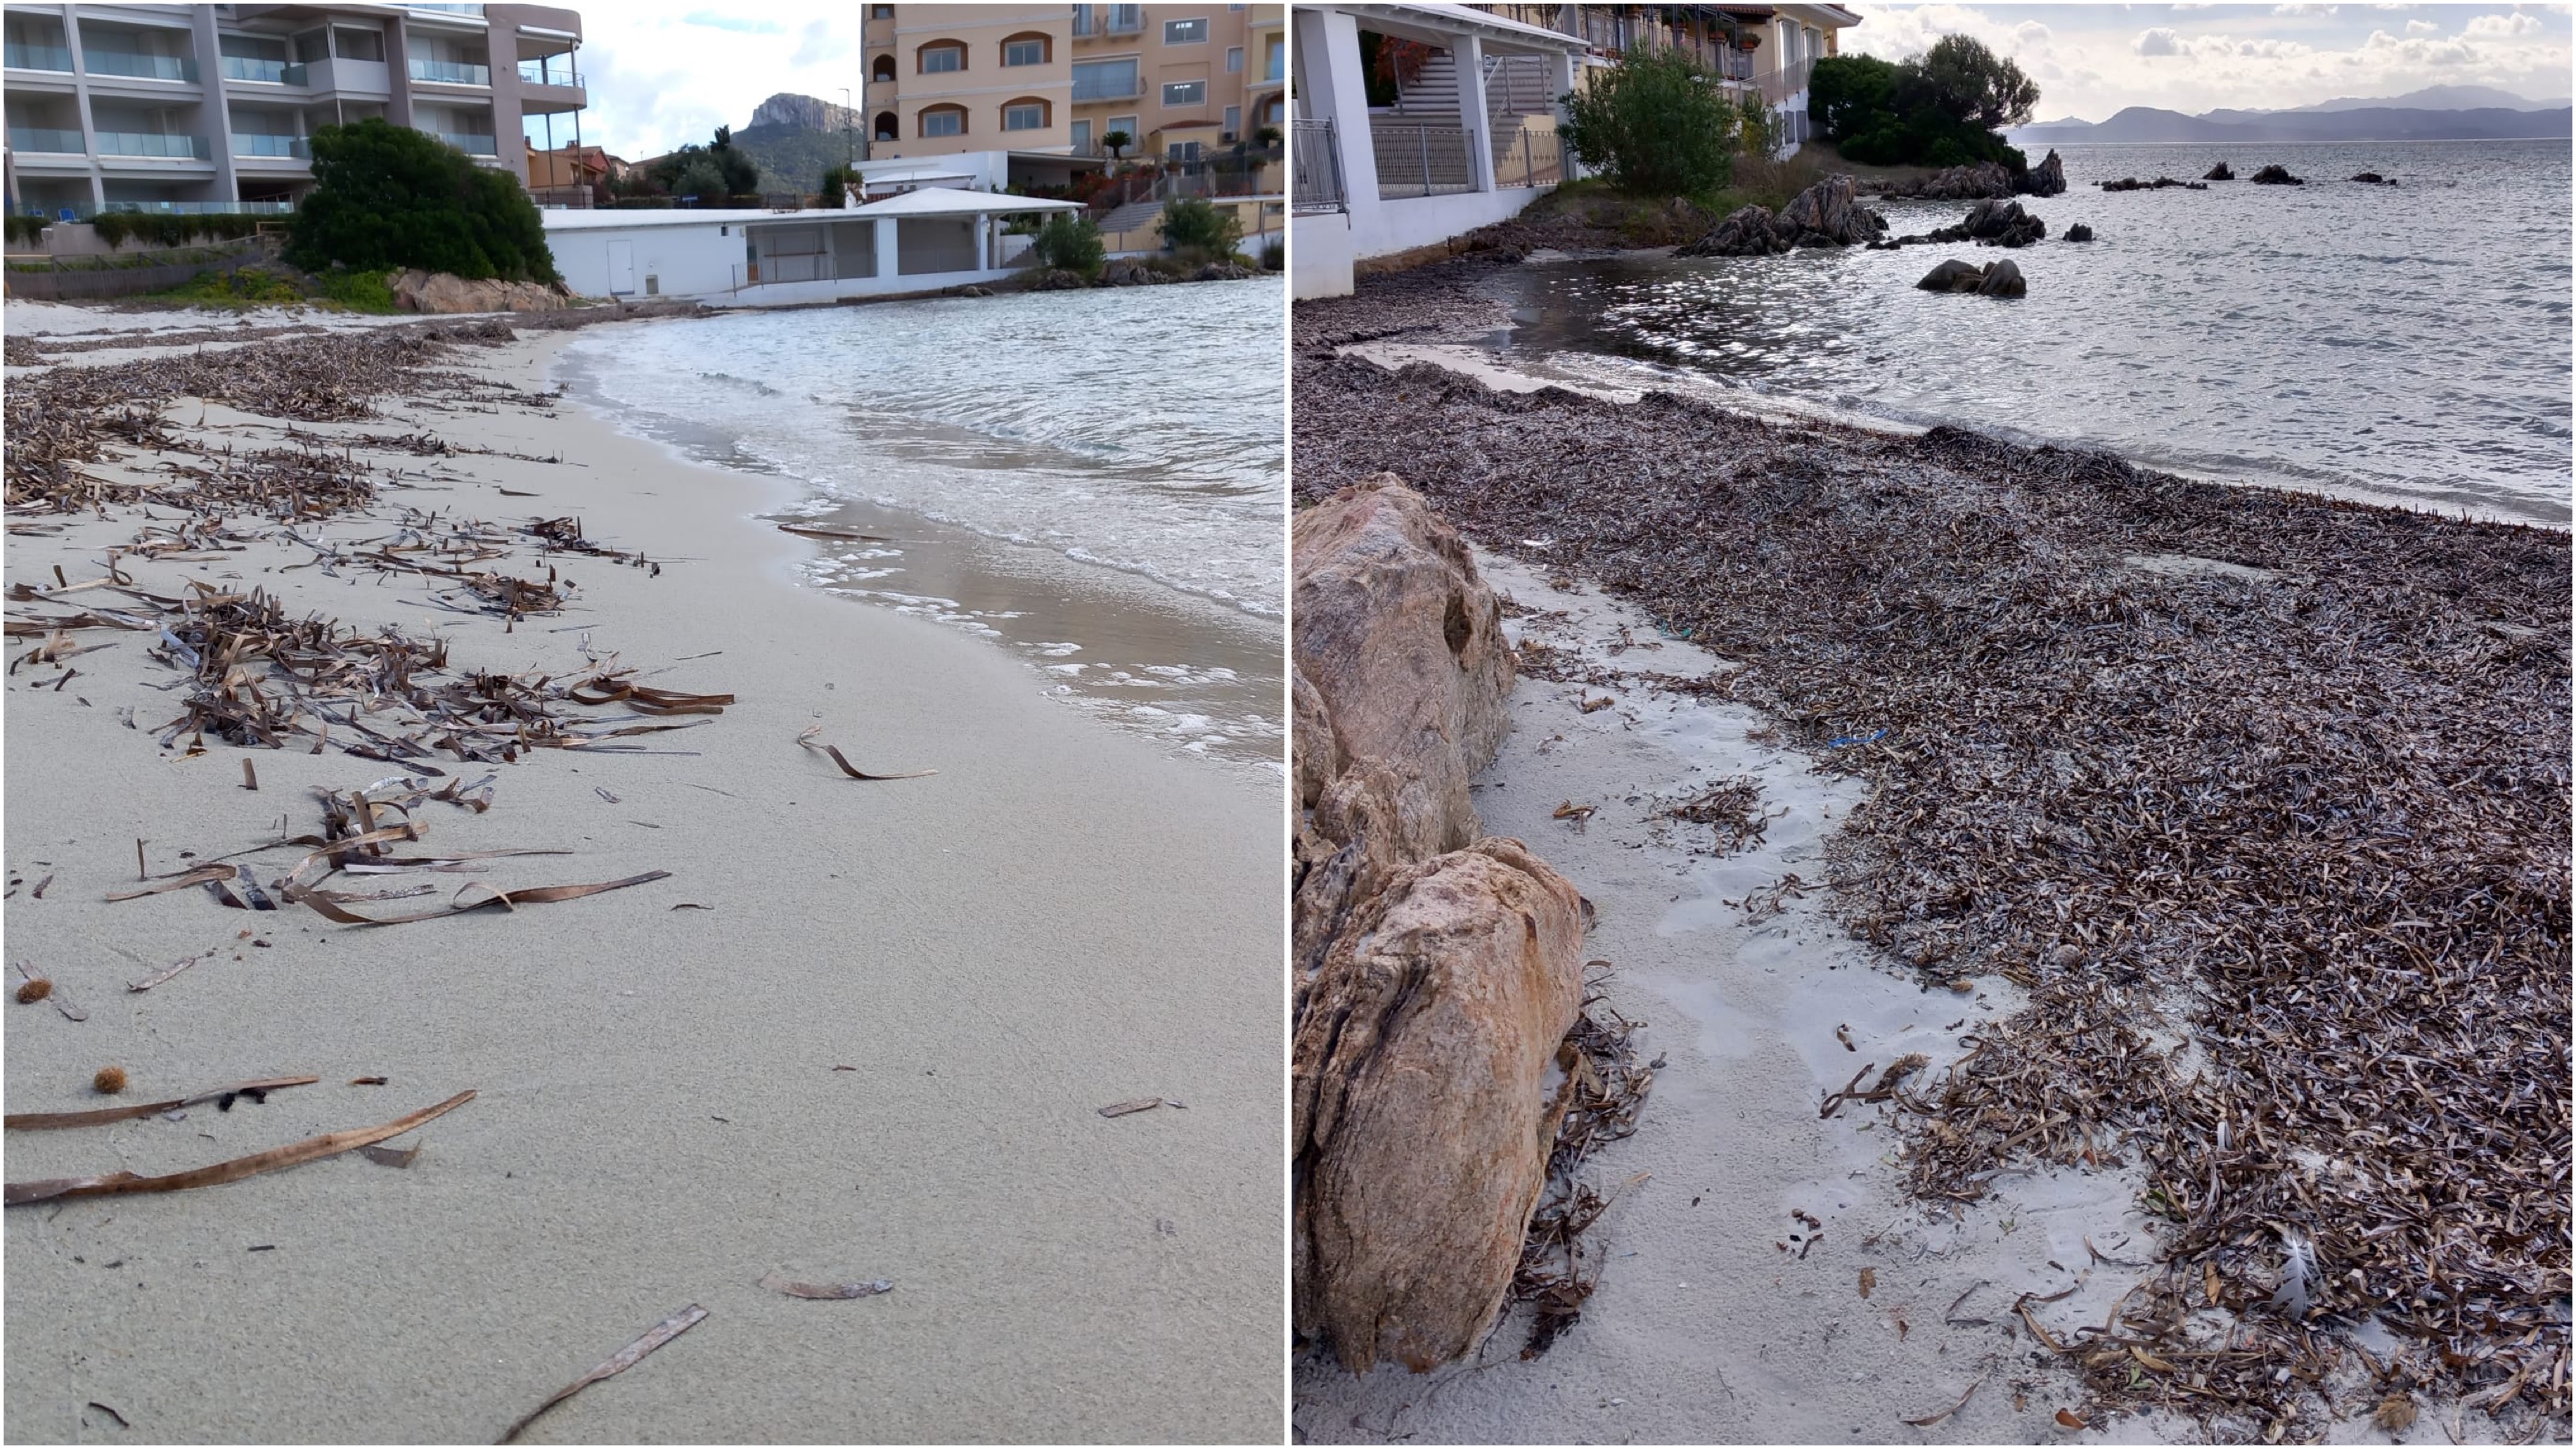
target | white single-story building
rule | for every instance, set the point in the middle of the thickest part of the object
(916, 241)
(975, 171)
(1469, 141)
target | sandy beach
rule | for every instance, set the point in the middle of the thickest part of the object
(859, 1032)
(2097, 804)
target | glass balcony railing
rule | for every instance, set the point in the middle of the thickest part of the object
(134, 63)
(555, 71)
(155, 143)
(38, 57)
(451, 72)
(247, 143)
(470, 145)
(253, 68)
(41, 138)
(1107, 88)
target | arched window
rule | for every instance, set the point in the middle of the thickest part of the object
(940, 57)
(1028, 113)
(1031, 47)
(946, 120)
(883, 70)
(887, 127)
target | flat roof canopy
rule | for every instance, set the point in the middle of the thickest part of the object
(942, 201)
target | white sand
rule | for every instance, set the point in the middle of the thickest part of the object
(1062, 918)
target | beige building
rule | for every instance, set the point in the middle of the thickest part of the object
(1181, 81)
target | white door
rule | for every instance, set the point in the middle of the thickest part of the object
(621, 268)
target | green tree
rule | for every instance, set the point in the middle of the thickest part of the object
(1974, 86)
(387, 196)
(1117, 141)
(1192, 223)
(1849, 94)
(1654, 124)
(1071, 241)
(708, 172)
(837, 183)
(701, 178)
(1942, 108)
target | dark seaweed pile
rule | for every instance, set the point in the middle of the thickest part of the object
(2316, 823)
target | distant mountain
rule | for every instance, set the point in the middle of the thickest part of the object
(2441, 98)
(2363, 123)
(805, 112)
(794, 158)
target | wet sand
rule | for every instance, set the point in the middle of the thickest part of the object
(1064, 917)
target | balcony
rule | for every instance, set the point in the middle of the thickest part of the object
(254, 68)
(46, 139)
(160, 145)
(134, 63)
(552, 71)
(1107, 88)
(246, 143)
(470, 145)
(38, 57)
(450, 72)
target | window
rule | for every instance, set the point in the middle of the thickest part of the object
(880, 12)
(1185, 93)
(1024, 115)
(883, 70)
(943, 121)
(1274, 60)
(1082, 138)
(887, 127)
(1185, 150)
(1024, 50)
(1105, 80)
(1185, 32)
(1234, 60)
(1135, 133)
(942, 58)
(358, 44)
(1233, 121)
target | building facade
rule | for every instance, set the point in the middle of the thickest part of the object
(211, 107)
(1759, 52)
(1177, 81)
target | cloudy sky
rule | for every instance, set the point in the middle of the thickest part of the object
(663, 74)
(2092, 60)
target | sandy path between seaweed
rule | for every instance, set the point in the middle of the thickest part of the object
(1062, 918)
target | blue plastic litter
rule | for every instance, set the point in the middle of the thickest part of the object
(1856, 740)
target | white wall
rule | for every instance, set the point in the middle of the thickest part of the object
(704, 261)
(1319, 255)
(1387, 227)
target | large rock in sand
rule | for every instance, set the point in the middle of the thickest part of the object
(445, 292)
(1404, 643)
(1422, 1115)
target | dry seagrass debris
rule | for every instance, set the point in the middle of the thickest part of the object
(108, 1082)
(1141, 1104)
(625, 1358)
(2311, 822)
(97, 1117)
(330, 1144)
(854, 772)
(794, 1289)
(1605, 1087)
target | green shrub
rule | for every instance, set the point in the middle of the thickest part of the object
(837, 181)
(239, 287)
(1273, 255)
(360, 291)
(1192, 223)
(1070, 241)
(26, 230)
(1654, 124)
(387, 197)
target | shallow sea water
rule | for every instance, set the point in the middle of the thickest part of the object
(2405, 344)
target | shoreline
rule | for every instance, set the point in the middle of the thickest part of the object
(1107, 640)
(660, 1117)
(1918, 597)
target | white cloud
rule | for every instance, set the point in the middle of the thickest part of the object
(2093, 60)
(666, 72)
(2497, 27)
(2303, 9)
(2422, 27)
